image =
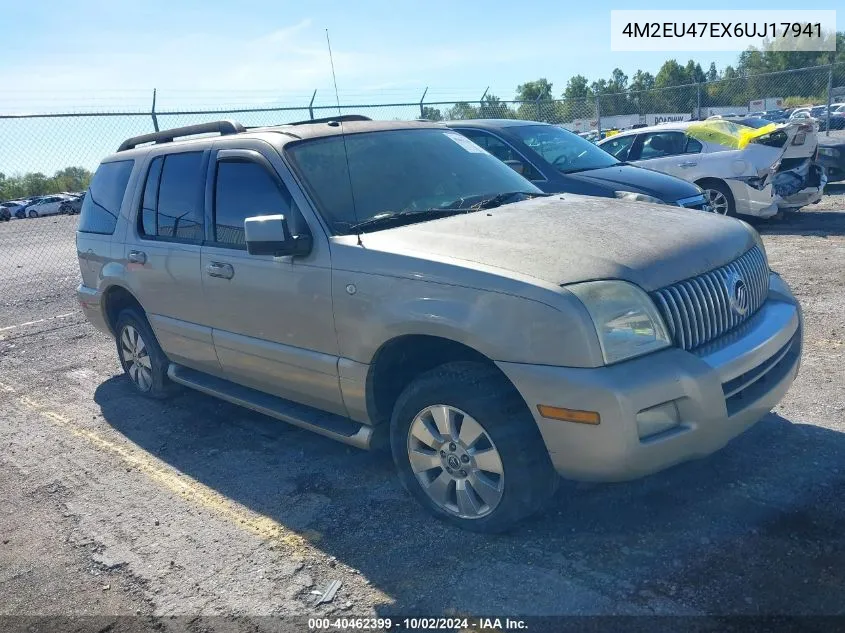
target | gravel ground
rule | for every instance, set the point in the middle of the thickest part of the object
(115, 505)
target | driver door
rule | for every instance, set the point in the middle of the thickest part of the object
(271, 317)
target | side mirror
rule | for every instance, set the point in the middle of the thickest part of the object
(516, 165)
(270, 235)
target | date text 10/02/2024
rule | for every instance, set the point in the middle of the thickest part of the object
(722, 29)
(415, 624)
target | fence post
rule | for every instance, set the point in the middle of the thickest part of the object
(598, 115)
(311, 106)
(481, 101)
(829, 97)
(153, 112)
(698, 101)
(422, 114)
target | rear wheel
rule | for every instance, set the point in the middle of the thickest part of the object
(467, 448)
(141, 357)
(719, 197)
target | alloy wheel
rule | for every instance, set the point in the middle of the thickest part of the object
(717, 201)
(136, 358)
(455, 461)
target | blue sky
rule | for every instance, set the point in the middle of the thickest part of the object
(100, 54)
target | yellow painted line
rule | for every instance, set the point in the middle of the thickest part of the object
(178, 483)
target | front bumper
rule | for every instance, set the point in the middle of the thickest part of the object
(765, 202)
(719, 390)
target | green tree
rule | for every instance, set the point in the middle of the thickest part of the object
(671, 73)
(536, 90)
(712, 74)
(432, 114)
(462, 110)
(577, 88)
(38, 184)
(492, 108)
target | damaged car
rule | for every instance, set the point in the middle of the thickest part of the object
(746, 166)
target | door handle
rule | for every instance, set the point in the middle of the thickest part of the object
(220, 269)
(137, 257)
(687, 164)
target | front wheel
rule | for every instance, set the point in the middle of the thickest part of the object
(33, 214)
(720, 198)
(467, 448)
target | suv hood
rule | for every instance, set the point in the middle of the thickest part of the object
(567, 239)
(639, 180)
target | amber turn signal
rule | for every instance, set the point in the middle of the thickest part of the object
(569, 415)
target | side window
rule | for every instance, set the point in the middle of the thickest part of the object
(659, 144)
(101, 206)
(172, 205)
(502, 151)
(245, 189)
(147, 224)
(693, 146)
(619, 146)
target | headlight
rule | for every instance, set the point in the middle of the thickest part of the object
(828, 151)
(626, 320)
(638, 197)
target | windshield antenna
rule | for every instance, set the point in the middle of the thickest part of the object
(343, 137)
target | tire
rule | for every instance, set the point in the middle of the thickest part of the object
(149, 375)
(471, 394)
(33, 214)
(717, 191)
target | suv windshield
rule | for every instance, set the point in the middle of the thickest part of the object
(566, 151)
(405, 171)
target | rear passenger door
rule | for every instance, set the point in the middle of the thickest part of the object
(272, 317)
(163, 251)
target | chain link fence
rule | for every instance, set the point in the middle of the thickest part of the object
(56, 154)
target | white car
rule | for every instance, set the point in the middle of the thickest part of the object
(15, 206)
(49, 205)
(775, 172)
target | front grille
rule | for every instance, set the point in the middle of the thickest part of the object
(702, 308)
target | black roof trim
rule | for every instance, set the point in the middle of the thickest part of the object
(166, 136)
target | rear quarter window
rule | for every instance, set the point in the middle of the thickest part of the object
(101, 205)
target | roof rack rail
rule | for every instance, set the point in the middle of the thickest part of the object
(166, 136)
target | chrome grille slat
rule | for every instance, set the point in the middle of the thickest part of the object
(706, 309)
(718, 307)
(683, 316)
(698, 310)
(698, 313)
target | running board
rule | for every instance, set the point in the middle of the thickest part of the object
(328, 424)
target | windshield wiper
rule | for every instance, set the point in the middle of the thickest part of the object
(397, 218)
(391, 219)
(489, 202)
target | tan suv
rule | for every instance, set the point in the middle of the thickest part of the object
(393, 283)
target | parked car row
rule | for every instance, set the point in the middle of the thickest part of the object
(38, 206)
(815, 113)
